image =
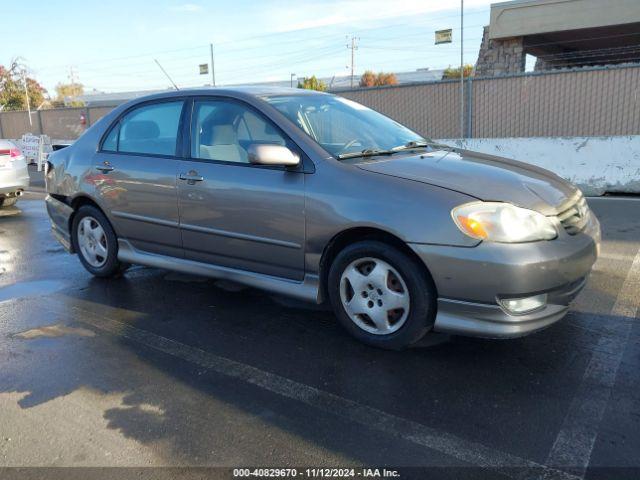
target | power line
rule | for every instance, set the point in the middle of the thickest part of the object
(245, 39)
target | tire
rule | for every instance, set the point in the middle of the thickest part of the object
(358, 288)
(8, 201)
(96, 243)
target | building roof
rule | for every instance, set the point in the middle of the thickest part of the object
(532, 17)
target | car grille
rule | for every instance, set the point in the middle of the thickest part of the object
(575, 215)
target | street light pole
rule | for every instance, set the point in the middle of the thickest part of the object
(461, 69)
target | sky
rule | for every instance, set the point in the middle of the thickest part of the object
(111, 45)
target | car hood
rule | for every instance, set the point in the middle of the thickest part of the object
(485, 177)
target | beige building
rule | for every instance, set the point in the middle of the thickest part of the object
(560, 34)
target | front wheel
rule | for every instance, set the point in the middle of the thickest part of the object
(381, 296)
(96, 243)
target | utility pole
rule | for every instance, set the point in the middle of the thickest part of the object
(26, 94)
(213, 67)
(461, 69)
(72, 75)
(353, 46)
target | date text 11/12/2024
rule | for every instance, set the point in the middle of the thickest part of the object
(315, 473)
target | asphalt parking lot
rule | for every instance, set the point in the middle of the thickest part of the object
(164, 369)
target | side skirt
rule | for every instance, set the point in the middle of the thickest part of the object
(307, 290)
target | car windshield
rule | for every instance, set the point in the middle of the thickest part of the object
(343, 127)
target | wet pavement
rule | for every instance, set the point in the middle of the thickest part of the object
(165, 369)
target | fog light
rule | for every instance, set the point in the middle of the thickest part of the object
(520, 306)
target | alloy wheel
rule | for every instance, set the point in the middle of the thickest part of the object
(92, 242)
(374, 296)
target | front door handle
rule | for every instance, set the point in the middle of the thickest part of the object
(105, 167)
(191, 177)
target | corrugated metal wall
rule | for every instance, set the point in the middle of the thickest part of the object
(586, 102)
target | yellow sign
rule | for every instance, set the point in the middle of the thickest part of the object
(443, 36)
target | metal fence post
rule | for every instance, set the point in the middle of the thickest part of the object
(1, 133)
(39, 117)
(469, 106)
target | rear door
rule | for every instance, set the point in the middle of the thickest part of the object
(135, 176)
(233, 213)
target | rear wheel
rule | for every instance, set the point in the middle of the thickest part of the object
(8, 201)
(96, 243)
(381, 296)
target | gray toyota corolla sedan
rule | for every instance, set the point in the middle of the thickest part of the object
(318, 197)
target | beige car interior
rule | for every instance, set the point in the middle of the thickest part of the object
(224, 145)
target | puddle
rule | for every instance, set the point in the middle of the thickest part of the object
(29, 289)
(53, 331)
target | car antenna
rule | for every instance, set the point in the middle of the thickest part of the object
(165, 72)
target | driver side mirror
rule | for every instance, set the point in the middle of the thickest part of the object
(265, 154)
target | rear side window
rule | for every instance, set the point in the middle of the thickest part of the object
(150, 129)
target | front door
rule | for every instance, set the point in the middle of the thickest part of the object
(135, 174)
(232, 213)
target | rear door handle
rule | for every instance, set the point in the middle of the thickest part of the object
(191, 178)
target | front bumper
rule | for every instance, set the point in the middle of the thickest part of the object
(469, 281)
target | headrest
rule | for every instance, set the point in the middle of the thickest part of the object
(141, 130)
(223, 135)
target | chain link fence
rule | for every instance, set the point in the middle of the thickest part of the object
(585, 102)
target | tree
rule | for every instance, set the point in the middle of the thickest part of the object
(371, 79)
(368, 79)
(312, 83)
(455, 72)
(67, 94)
(12, 95)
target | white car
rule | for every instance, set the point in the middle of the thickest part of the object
(14, 175)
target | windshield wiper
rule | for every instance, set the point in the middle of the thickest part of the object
(371, 152)
(367, 152)
(422, 144)
(410, 145)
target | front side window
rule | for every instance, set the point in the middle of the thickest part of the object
(150, 129)
(342, 126)
(224, 131)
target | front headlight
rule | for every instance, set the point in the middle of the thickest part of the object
(502, 222)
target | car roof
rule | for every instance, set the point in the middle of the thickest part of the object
(239, 91)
